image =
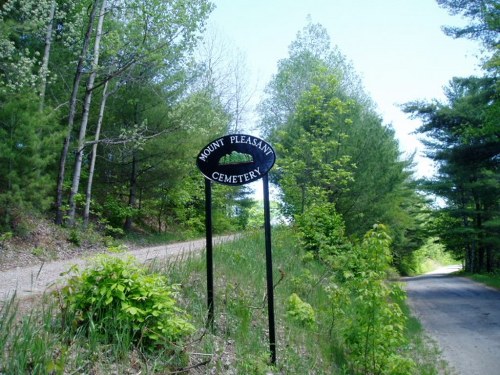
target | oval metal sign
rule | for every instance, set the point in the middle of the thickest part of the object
(236, 159)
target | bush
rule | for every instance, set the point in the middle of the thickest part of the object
(300, 311)
(116, 295)
(368, 318)
(321, 228)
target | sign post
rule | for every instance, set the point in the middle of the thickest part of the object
(269, 270)
(238, 159)
(210, 267)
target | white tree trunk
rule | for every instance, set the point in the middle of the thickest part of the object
(88, 194)
(85, 118)
(71, 116)
(44, 70)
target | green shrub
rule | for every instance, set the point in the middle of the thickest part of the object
(118, 295)
(74, 237)
(115, 212)
(367, 316)
(6, 236)
(300, 311)
(321, 228)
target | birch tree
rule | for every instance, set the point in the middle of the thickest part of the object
(72, 111)
(147, 33)
(44, 70)
(86, 111)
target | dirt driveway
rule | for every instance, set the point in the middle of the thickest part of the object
(462, 316)
(33, 280)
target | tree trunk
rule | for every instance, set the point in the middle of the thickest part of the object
(490, 267)
(88, 194)
(132, 193)
(46, 54)
(480, 237)
(71, 116)
(85, 119)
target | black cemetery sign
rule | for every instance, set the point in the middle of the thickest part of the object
(238, 159)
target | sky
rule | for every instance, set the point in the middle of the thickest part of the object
(397, 47)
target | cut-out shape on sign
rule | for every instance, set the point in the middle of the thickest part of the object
(236, 157)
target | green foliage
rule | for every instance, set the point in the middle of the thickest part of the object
(365, 310)
(333, 146)
(27, 149)
(116, 295)
(463, 140)
(366, 313)
(5, 236)
(425, 259)
(236, 158)
(239, 342)
(321, 231)
(74, 237)
(29, 337)
(155, 118)
(116, 211)
(462, 137)
(255, 365)
(300, 311)
(491, 279)
(484, 23)
(310, 165)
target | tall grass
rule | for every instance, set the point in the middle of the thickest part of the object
(40, 341)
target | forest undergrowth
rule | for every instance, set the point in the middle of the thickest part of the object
(111, 318)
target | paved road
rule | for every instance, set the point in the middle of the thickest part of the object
(462, 316)
(33, 280)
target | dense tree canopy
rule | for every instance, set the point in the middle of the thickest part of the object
(332, 146)
(116, 85)
(462, 136)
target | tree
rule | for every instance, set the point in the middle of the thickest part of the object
(484, 16)
(310, 55)
(222, 71)
(117, 84)
(101, 8)
(332, 144)
(153, 34)
(46, 53)
(463, 138)
(484, 26)
(26, 156)
(71, 116)
(27, 130)
(312, 168)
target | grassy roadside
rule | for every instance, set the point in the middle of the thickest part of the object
(490, 279)
(37, 343)
(239, 343)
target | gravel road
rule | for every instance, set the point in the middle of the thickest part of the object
(462, 316)
(33, 280)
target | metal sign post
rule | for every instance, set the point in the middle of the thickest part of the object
(210, 267)
(269, 270)
(238, 159)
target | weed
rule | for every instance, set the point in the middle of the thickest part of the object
(38, 251)
(118, 299)
(6, 236)
(300, 311)
(74, 237)
(354, 328)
